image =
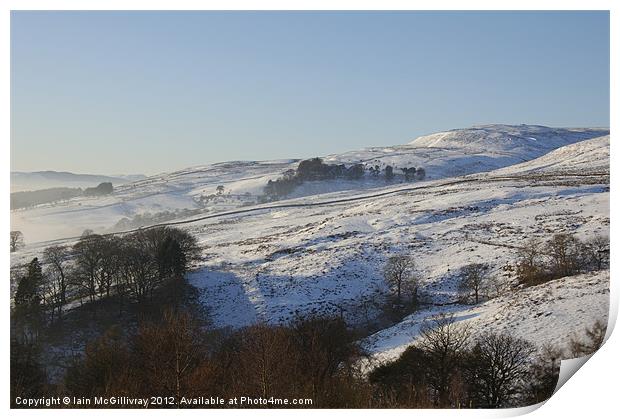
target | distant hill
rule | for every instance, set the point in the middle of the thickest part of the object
(30, 181)
(131, 178)
(25, 199)
(170, 196)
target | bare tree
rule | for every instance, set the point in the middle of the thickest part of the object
(168, 354)
(17, 240)
(529, 265)
(57, 258)
(445, 342)
(87, 232)
(399, 273)
(498, 285)
(564, 253)
(52, 294)
(597, 252)
(473, 280)
(266, 357)
(109, 248)
(138, 267)
(88, 262)
(324, 348)
(497, 365)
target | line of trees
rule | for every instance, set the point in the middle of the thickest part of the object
(316, 170)
(25, 199)
(104, 188)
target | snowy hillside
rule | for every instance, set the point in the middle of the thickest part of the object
(547, 314)
(268, 265)
(328, 258)
(472, 150)
(325, 253)
(589, 156)
(193, 191)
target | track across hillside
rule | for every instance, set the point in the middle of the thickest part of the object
(338, 201)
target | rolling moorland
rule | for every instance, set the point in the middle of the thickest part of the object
(478, 196)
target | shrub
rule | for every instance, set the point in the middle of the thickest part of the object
(563, 255)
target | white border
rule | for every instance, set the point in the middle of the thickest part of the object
(592, 393)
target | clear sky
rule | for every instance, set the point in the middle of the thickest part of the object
(147, 92)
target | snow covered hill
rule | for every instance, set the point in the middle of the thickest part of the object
(324, 253)
(472, 150)
(193, 191)
(589, 156)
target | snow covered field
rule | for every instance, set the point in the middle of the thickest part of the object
(488, 190)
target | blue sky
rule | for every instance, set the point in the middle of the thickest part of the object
(146, 92)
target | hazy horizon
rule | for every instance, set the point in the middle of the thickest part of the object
(150, 92)
(172, 169)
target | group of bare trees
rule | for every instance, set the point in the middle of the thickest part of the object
(538, 262)
(102, 269)
(97, 267)
(314, 358)
(401, 274)
(449, 367)
(310, 358)
(563, 255)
